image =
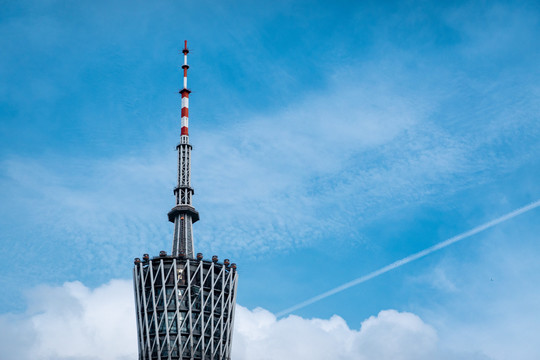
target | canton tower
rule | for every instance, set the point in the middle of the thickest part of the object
(184, 303)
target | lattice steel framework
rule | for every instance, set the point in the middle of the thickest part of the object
(185, 306)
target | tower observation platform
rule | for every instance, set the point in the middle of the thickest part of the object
(184, 303)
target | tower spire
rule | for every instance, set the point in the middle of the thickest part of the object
(183, 215)
(185, 94)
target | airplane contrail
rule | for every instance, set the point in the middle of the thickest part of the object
(411, 258)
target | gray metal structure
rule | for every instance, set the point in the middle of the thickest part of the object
(184, 304)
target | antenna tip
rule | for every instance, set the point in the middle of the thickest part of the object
(185, 51)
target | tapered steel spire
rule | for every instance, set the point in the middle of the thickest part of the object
(183, 215)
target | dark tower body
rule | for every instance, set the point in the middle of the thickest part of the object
(184, 304)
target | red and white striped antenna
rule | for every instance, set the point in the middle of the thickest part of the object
(183, 215)
(185, 98)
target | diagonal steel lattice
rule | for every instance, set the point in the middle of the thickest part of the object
(185, 308)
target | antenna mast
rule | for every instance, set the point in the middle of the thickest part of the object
(183, 215)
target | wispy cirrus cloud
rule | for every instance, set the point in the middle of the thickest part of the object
(264, 181)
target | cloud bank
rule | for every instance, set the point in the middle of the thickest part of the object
(75, 322)
(389, 335)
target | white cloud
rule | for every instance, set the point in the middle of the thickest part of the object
(389, 335)
(73, 322)
(77, 323)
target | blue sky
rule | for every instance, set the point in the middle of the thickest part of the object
(330, 139)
